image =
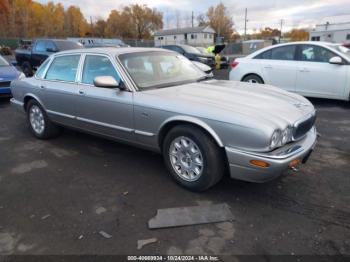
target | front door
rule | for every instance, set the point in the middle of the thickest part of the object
(316, 76)
(106, 111)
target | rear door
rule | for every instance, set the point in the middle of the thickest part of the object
(316, 76)
(59, 89)
(107, 111)
(279, 67)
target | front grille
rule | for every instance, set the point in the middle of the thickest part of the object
(303, 127)
(5, 84)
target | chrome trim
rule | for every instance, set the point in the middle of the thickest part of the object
(297, 123)
(60, 114)
(129, 130)
(143, 133)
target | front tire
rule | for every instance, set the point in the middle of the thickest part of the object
(254, 79)
(193, 158)
(39, 123)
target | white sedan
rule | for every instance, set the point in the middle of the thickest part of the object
(312, 69)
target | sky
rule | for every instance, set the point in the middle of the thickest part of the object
(266, 13)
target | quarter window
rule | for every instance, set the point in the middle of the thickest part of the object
(95, 66)
(41, 70)
(312, 53)
(63, 68)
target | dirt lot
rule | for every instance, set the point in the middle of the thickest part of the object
(56, 195)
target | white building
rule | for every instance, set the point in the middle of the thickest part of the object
(335, 33)
(195, 36)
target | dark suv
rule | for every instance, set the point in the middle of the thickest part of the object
(192, 54)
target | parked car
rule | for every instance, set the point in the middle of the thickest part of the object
(192, 54)
(312, 69)
(32, 57)
(8, 73)
(159, 100)
(224, 60)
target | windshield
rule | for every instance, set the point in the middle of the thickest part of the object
(3, 62)
(342, 49)
(190, 49)
(68, 45)
(152, 70)
(202, 50)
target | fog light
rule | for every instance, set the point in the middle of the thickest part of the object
(294, 163)
(259, 163)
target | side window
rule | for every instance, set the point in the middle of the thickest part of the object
(312, 53)
(50, 45)
(98, 66)
(283, 52)
(63, 68)
(41, 70)
(40, 46)
(265, 55)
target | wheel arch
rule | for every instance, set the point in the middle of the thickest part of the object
(29, 97)
(255, 74)
(186, 120)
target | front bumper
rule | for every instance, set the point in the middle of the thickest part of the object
(279, 160)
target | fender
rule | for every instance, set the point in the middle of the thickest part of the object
(31, 95)
(195, 121)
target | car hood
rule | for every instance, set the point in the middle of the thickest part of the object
(235, 102)
(8, 73)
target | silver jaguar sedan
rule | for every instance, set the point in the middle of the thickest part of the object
(159, 100)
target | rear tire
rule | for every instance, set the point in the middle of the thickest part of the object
(254, 79)
(193, 158)
(27, 69)
(39, 123)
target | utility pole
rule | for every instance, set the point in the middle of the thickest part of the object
(192, 19)
(91, 27)
(245, 24)
(281, 30)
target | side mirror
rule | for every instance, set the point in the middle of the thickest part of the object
(336, 60)
(51, 50)
(14, 63)
(106, 82)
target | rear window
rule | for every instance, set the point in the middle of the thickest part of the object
(68, 45)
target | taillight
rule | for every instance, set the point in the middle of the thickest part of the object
(234, 64)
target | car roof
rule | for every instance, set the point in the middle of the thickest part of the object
(112, 51)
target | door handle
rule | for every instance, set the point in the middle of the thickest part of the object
(268, 67)
(81, 92)
(305, 70)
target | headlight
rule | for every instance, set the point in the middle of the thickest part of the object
(286, 136)
(275, 139)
